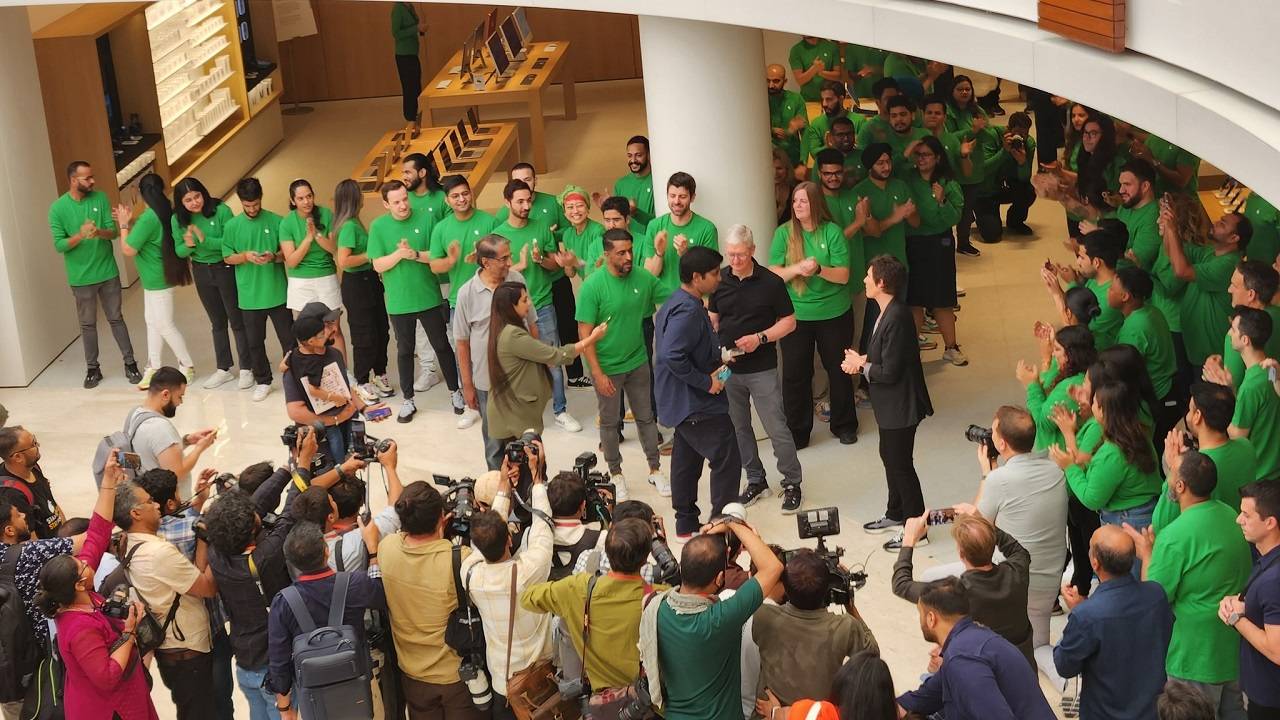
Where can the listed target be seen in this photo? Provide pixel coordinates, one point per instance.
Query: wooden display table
(526, 85)
(1212, 207)
(505, 142)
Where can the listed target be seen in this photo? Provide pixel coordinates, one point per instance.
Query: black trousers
(897, 452)
(965, 225)
(1262, 712)
(1081, 524)
(216, 286)
(1019, 195)
(189, 685)
(409, 68)
(224, 685)
(255, 332)
(567, 325)
(365, 300)
(432, 322)
(710, 437)
(831, 338)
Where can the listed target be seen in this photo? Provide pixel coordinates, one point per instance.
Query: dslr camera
(982, 436)
(516, 448)
(666, 569)
(117, 604)
(460, 501)
(601, 491)
(821, 523)
(366, 447)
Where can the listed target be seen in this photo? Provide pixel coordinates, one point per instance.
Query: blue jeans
(339, 437)
(1138, 518)
(262, 702)
(549, 334)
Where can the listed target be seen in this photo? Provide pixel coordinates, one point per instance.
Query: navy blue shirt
(1259, 677)
(686, 352)
(1117, 641)
(983, 677)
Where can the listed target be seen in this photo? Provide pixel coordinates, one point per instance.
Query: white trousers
(157, 310)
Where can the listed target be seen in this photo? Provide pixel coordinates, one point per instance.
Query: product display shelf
(174, 86)
(162, 12)
(208, 29)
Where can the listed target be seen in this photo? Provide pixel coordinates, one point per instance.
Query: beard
(169, 410)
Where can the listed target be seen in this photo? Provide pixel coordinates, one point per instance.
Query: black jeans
(1257, 711)
(702, 436)
(216, 286)
(831, 338)
(1019, 195)
(966, 217)
(189, 685)
(255, 332)
(897, 451)
(432, 322)
(224, 684)
(409, 68)
(1081, 524)
(566, 324)
(365, 300)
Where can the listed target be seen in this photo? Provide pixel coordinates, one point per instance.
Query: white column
(709, 116)
(37, 313)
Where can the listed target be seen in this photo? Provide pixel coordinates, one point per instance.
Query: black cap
(307, 327)
(320, 310)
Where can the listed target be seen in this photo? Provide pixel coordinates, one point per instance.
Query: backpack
(563, 569)
(120, 440)
(19, 650)
(330, 664)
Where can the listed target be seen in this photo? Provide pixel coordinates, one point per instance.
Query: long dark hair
(347, 201)
(942, 171)
(1121, 427)
(58, 578)
(1091, 167)
(1126, 364)
(503, 313)
(315, 215)
(177, 271)
(190, 185)
(863, 689)
(1077, 341)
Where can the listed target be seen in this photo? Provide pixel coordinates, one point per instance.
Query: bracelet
(286, 708)
(373, 555)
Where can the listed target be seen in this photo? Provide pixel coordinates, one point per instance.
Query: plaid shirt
(35, 553)
(181, 531)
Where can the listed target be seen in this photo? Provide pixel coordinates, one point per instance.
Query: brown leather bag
(533, 692)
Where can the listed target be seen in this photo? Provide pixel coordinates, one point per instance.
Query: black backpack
(330, 665)
(19, 650)
(563, 569)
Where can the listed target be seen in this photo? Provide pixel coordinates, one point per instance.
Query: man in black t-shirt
(752, 311)
(24, 485)
(316, 390)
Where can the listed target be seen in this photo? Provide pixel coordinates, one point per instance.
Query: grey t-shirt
(154, 436)
(471, 323)
(1027, 498)
(354, 555)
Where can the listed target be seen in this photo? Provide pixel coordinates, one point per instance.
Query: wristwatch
(764, 339)
(1233, 618)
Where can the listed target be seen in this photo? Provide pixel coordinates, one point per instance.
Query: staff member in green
(931, 244)
(198, 224)
(362, 294)
(1253, 284)
(425, 193)
(583, 238)
(637, 185)
(814, 137)
(787, 113)
(811, 256)
(397, 246)
(251, 244)
(149, 241)
(884, 232)
(308, 241)
(1207, 271)
(1257, 415)
(406, 28)
(80, 221)
(1200, 558)
(667, 237)
(814, 60)
(1073, 353)
(1145, 328)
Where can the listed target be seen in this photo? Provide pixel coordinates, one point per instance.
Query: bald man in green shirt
(788, 114)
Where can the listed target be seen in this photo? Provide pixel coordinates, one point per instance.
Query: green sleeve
(795, 59)
(949, 211)
(436, 248)
(837, 246)
(230, 238)
(643, 248)
(179, 245)
(224, 215)
(778, 248)
(1146, 242)
(1166, 566)
(1095, 485)
(1246, 413)
(292, 229)
(1036, 405)
(60, 233)
(375, 246)
(1024, 170)
(501, 216)
(1214, 273)
(147, 226)
(811, 143)
(347, 235)
(403, 24)
(587, 308)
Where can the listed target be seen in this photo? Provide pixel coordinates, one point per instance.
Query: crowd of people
(476, 599)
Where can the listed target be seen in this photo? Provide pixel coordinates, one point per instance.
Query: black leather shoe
(93, 377)
(132, 374)
(849, 438)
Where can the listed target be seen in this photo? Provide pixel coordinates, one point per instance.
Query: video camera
(601, 491)
(821, 523)
(982, 436)
(460, 501)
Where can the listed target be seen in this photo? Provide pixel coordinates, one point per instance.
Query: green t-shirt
(1258, 411)
(1089, 436)
(977, 158)
(818, 299)
(352, 235)
(999, 164)
(466, 233)
(1231, 358)
(587, 245)
(1111, 482)
(537, 278)
(1170, 155)
(639, 190)
(92, 260)
(1146, 330)
(1206, 304)
(1198, 560)
(707, 647)
(699, 231)
(853, 170)
(1265, 243)
(1148, 247)
(814, 137)
(961, 120)
(783, 108)
(208, 250)
(896, 66)
(903, 165)
(145, 237)
(404, 29)
(317, 262)
(801, 58)
(1236, 464)
(1106, 326)
(935, 217)
(410, 286)
(1041, 404)
(259, 287)
(843, 208)
(622, 302)
(857, 57)
(894, 240)
(432, 203)
(545, 212)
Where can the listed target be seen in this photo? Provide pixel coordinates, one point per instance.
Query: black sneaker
(969, 250)
(895, 544)
(754, 492)
(93, 377)
(881, 525)
(1019, 229)
(580, 382)
(132, 374)
(848, 438)
(790, 499)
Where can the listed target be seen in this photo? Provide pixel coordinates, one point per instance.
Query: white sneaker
(620, 493)
(427, 379)
(219, 378)
(260, 392)
(459, 403)
(368, 393)
(567, 423)
(468, 418)
(189, 371)
(407, 411)
(145, 382)
(246, 380)
(381, 384)
(955, 357)
(661, 483)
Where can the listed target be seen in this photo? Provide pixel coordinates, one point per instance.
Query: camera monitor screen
(512, 35)
(523, 23)
(499, 52)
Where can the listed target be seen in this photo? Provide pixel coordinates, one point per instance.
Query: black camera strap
(586, 634)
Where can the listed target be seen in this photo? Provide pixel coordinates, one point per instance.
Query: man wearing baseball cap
(316, 388)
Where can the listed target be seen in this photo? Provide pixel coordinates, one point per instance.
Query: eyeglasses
(831, 173)
(34, 444)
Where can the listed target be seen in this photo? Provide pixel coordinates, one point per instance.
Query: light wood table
(457, 94)
(504, 145)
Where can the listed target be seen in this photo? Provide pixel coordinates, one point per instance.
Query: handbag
(44, 695)
(533, 692)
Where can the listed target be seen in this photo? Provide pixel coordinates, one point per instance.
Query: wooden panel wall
(1099, 23)
(353, 54)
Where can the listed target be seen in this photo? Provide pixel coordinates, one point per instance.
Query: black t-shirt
(747, 307)
(329, 367)
(44, 517)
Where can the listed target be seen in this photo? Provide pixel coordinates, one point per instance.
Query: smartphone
(1271, 374)
(723, 374)
(942, 516)
(129, 460)
(1048, 265)
(377, 412)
